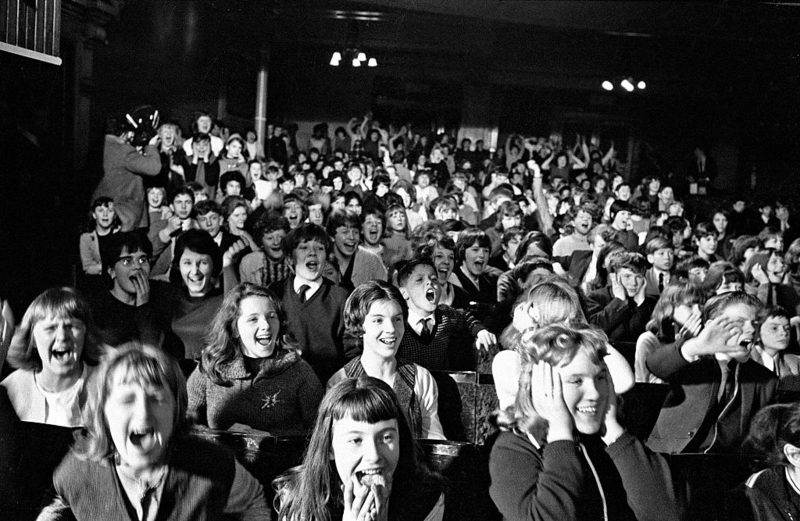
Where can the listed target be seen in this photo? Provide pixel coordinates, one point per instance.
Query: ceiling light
(372, 62)
(362, 57)
(335, 59)
(607, 85)
(356, 63)
(641, 85)
(627, 85)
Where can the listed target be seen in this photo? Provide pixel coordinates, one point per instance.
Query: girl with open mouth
(136, 455)
(54, 351)
(361, 462)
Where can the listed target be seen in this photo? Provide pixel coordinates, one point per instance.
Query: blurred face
(197, 272)
(512, 246)
(201, 148)
(126, 268)
(167, 133)
(233, 188)
(155, 198)
(396, 220)
(255, 171)
(354, 206)
(782, 213)
(621, 220)
(309, 260)
(475, 259)
(59, 344)
(776, 268)
(104, 216)
(234, 150)
(562, 162)
(624, 193)
(582, 222)
(346, 240)
(444, 261)
(445, 213)
(404, 195)
(257, 327)
(683, 312)
(200, 196)
(384, 326)
(509, 221)
(423, 181)
(210, 222)
(729, 286)
(662, 259)
(354, 175)
(204, 124)
(293, 211)
(338, 204)
(775, 333)
(739, 206)
(586, 389)
(364, 449)
(182, 205)
(720, 222)
(140, 420)
(422, 290)
(654, 186)
(666, 194)
(237, 218)
(697, 275)
(744, 318)
(775, 242)
(707, 244)
(271, 243)
(372, 229)
(630, 280)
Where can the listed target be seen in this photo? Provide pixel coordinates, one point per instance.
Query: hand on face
(548, 400)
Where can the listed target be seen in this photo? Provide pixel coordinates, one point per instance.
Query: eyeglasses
(129, 260)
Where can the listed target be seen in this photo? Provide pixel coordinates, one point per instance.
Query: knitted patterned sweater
(281, 399)
(450, 347)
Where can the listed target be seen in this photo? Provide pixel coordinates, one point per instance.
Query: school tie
(301, 292)
(727, 386)
(660, 282)
(426, 334)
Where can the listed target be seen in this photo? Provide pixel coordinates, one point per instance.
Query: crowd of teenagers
(309, 289)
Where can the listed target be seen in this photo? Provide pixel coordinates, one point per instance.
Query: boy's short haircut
(443, 202)
(629, 260)
(358, 304)
(768, 233)
(268, 223)
(605, 231)
(101, 201)
(740, 245)
(618, 206)
(589, 208)
(453, 225)
(695, 261)
(195, 187)
(233, 175)
(342, 218)
(199, 137)
(768, 312)
(125, 241)
(719, 273)
(304, 233)
(467, 238)
(381, 179)
(657, 243)
(704, 229)
(160, 188)
(675, 224)
(182, 190)
(374, 211)
(505, 191)
(207, 206)
(285, 179)
(563, 221)
(514, 231)
(425, 243)
(642, 208)
(405, 269)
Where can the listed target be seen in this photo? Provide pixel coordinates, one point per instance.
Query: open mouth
(312, 265)
(264, 340)
(388, 341)
(61, 354)
(144, 438)
(371, 477)
(430, 295)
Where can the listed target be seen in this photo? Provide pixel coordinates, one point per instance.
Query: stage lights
(627, 84)
(354, 57)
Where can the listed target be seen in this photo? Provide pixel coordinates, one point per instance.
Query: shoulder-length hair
(467, 238)
(200, 242)
(554, 301)
(389, 211)
(556, 344)
(357, 306)
(674, 295)
(312, 490)
(137, 364)
(222, 341)
(54, 302)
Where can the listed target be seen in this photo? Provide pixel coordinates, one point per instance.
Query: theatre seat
(470, 402)
(640, 407)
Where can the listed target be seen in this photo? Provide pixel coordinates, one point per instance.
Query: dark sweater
(318, 325)
(622, 320)
(556, 482)
(120, 323)
(450, 347)
(281, 399)
(197, 487)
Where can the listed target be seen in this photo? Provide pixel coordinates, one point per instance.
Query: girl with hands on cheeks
(562, 453)
(361, 464)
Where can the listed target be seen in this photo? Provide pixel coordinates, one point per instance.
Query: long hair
(313, 490)
(222, 341)
(142, 365)
(556, 344)
(54, 302)
(674, 295)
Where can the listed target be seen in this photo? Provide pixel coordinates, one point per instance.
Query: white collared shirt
(414, 321)
(313, 286)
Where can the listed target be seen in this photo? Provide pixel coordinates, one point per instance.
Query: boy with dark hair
(620, 214)
(509, 242)
(209, 218)
(267, 265)
(623, 309)
(314, 305)
(436, 335)
(661, 256)
(203, 167)
(581, 267)
(355, 265)
(693, 270)
(182, 205)
(705, 237)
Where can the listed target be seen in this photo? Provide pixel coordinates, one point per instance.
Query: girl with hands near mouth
(361, 463)
(562, 453)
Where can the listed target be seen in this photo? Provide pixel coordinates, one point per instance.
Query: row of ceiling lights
(358, 59)
(625, 83)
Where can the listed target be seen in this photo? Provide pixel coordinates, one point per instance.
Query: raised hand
(548, 400)
(611, 427)
(142, 285)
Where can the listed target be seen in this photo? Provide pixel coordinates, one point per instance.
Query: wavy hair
(53, 302)
(142, 365)
(313, 490)
(358, 304)
(222, 341)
